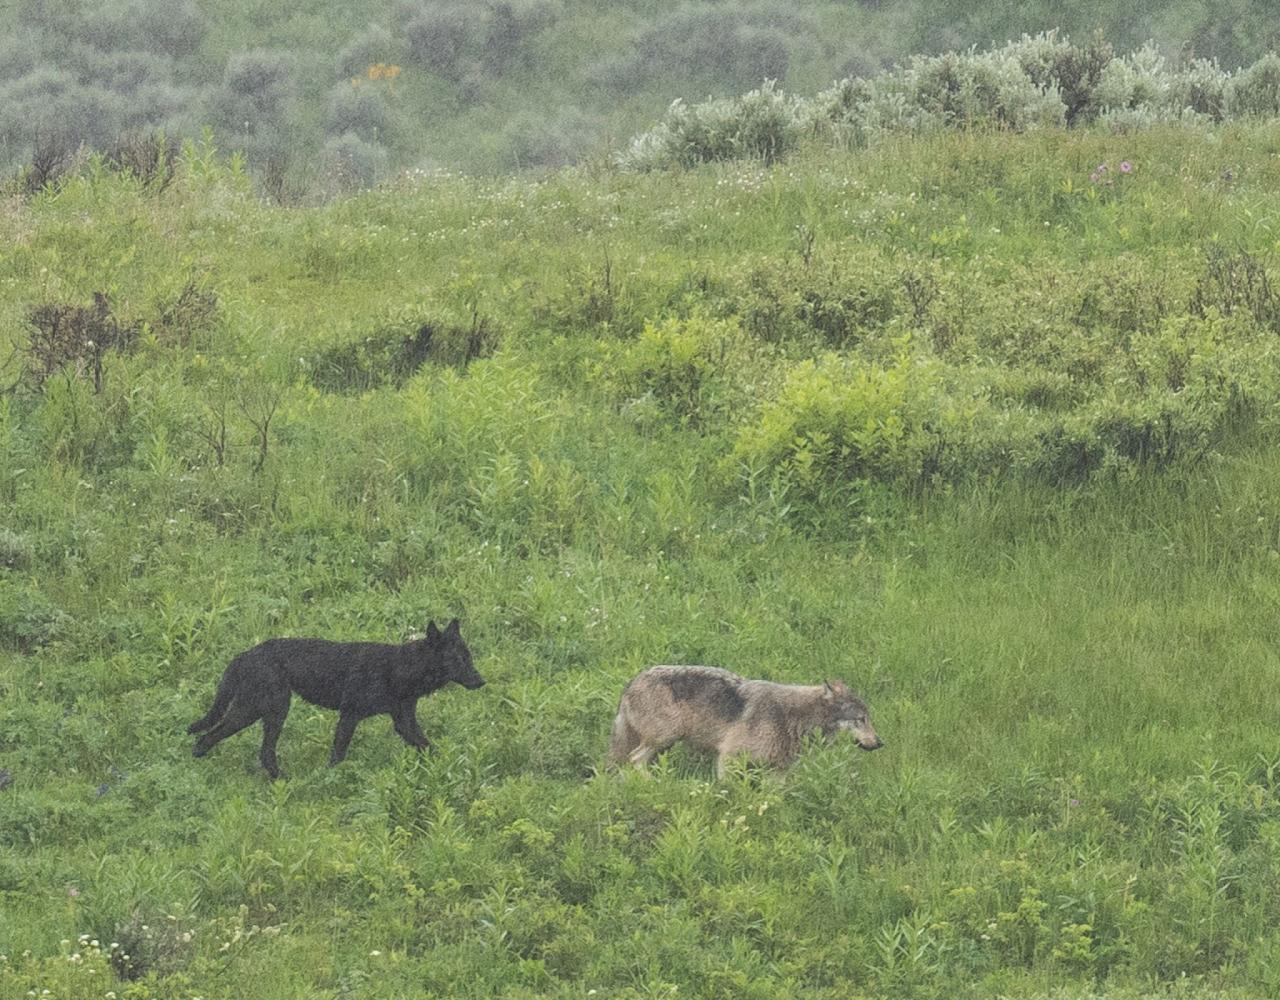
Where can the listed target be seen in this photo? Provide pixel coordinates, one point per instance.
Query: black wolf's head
(452, 655)
(849, 712)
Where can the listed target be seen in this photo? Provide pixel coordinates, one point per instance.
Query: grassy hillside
(967, 421)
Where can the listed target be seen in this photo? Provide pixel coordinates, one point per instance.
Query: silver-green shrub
(1254, 92)
(350, 163)
(1037, 81)
(764, 124)
(360, 110)
(374, 45)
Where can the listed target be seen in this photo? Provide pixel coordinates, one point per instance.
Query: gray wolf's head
(453, 654)
(849, 714)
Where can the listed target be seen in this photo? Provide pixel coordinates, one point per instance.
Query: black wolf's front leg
(405, 717)
(347, 723)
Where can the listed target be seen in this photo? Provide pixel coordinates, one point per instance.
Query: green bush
(693, 370)
(444, 38)
(28, 619)
(838, 425)
(359, 110)
(373, 46)
(1254, 92)
(763, 124)
(396, 348)
(835, 302)
(173, 29)
(350, 163)
(1053, 63)
(727, 46)
(16, 550)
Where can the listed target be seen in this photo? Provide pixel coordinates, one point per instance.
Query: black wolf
(359, 679)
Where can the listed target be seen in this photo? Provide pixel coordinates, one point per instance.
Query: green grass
(1071, 660)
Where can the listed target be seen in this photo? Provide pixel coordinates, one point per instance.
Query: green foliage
(693, 370)
(837, 302)
(726, 45)
(28, 619)
(349, 163)
(376, 45)
(533, 83)
(1036, 82)
(836, 426)
(172, 29)
(948, 418)
(762, 124)
(16, 550)
(358, 110)
(397, 348)
(441, 34)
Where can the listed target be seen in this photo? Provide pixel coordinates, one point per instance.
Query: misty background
(325, 96)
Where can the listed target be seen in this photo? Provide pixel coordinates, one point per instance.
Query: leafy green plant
(397, 348)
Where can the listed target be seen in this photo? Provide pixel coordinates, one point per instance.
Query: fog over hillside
(329, 96)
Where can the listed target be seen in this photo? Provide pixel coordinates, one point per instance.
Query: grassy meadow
(966, 421)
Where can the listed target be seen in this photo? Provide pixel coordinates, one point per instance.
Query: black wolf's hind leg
(405, 718)
(342, 737)
(240, 716)
(272, 723)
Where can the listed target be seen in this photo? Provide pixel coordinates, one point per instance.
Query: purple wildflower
(1125, 167)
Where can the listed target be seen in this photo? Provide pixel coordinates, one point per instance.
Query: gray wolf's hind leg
(624, 742)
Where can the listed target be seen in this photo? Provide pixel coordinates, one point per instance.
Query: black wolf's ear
(452, 630)
(433, 633)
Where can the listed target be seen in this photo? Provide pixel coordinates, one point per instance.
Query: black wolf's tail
(221, 700)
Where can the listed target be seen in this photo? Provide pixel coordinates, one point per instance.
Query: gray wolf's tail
(221, 701)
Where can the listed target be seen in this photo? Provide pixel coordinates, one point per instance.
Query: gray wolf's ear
(433, 633)
(451, 630)
(828, 692)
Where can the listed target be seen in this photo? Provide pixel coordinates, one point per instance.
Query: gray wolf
(358, 679)
(716, 710)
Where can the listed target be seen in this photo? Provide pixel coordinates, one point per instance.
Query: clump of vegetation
(764, 124)
(1036, 82)
(350, 163)
(729, 45)
(152, 158)
(64, 336)
(254, 109)
(29, 620)
(836, 302)
(16, 550)
(396, 348)
(694, 370)
(188, 314)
